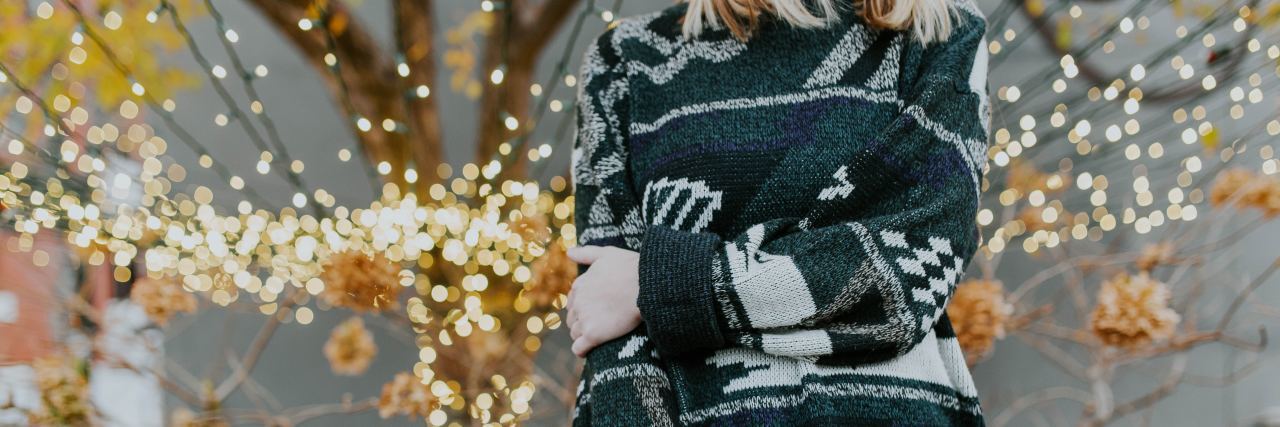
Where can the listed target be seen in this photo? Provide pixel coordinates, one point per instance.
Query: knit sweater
(803, 204)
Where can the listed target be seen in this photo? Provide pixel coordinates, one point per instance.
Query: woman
(775, 199)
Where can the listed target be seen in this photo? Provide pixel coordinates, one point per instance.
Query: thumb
(585, 254)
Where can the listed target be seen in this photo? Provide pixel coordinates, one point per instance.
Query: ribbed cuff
(677, 296)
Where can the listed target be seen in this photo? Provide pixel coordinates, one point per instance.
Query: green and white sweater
(803, 204)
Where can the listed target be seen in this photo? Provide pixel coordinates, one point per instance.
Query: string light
(470, 220)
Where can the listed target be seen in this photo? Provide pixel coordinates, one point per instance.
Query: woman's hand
(602, 301)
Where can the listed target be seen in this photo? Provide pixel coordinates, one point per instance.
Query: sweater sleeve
(866, 274)
(606, 208)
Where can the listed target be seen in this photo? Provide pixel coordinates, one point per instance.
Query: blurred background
(354, 212)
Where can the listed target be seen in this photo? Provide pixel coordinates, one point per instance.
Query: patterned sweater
(803, 204)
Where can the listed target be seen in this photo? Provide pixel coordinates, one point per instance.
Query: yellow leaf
(1205, 11)
(1063, 38)
(1271, 16)
(1035, 7)
(1210, 139)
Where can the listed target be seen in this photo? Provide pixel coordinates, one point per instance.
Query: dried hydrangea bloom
(1247, 189)
(553, 275)
(1268, 196)
(1154, 255)
(978, 313)
(350, 348)
(532, 229)
(1025, 178)
(1227, 184)
(406, 395)
(1132, 311)
(1255, 192)
(1033, 218)
(64, 392)
(361, 282)
(161, 299)
(492, 346)
(183, 417)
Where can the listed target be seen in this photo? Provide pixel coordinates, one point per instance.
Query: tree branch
(367, 89)
(538, 25)
(415, 40)
(259, 345)
(520, 33)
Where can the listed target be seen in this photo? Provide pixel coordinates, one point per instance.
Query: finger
(573, 286)
(574, 331)
(571, 318)
(580, 281)
(582, 346)
(585, 254)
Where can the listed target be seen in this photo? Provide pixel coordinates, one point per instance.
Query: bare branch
(256, 348)
(415, 41)
(537, 26)
(368, 86)
(1042, 396)
(1165, 389)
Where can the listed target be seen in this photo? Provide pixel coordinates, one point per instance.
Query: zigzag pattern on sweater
(802, 217)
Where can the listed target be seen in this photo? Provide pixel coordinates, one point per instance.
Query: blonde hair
(928, 20)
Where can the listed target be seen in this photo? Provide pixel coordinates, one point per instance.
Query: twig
(1041, 396)
(1230, 314)
(259, 344)
(1055, 354)
(1165, 389)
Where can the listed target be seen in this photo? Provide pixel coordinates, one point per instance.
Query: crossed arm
(863, 277)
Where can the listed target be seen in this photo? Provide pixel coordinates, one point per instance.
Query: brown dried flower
(360, 282)
(406, 395)
(1268, 197)
(1032, 218)
(1248, 190)
(64, 392)
(532, 229)
(1154, 255)
(183, 417)
(1132, 311)
(1026, 178)
(350, 348)
(1228, 184)
(161, 299)
(978, 312)
(553, 275)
